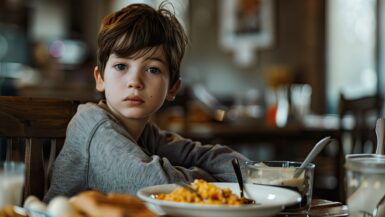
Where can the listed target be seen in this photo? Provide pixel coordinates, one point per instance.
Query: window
(351, 49)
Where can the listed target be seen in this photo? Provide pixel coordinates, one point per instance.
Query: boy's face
(135, 88)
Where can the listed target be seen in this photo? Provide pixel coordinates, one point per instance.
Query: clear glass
(365, 182)
(12, 176)
(281, 174)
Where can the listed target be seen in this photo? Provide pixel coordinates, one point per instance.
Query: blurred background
(267, 77)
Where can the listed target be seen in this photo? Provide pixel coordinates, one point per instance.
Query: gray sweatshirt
(99, 153)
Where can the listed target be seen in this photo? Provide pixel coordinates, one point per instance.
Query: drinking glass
(365, 182)
(11, 182)
(281, 174)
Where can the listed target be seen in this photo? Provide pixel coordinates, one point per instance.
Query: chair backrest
(33, 131)
(357, 132)
(364, 111)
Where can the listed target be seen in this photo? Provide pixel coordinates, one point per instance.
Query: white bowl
(270, 201)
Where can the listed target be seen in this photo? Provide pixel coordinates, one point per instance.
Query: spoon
(238, 173)
(380, 129)
(313, 153)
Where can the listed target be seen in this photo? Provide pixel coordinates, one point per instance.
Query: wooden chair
(34, 130)
(364, 112)
(360, 136)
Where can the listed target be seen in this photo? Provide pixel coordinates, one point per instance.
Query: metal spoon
(238, 173)
(313, 153)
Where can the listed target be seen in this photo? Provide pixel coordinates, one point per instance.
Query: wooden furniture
(364, 112)
(358, 118)
(34, 130)
(321, 207)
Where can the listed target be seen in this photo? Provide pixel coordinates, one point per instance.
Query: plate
(271, 200)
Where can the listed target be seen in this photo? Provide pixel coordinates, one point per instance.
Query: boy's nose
(134, 78)
(135, 81)
(135, 84)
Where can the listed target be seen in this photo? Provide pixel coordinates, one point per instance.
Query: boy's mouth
(134, 100)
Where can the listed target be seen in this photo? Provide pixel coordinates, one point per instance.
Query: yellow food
(210, 194)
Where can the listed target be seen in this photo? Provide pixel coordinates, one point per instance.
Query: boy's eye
(120, 67)
(153, 70)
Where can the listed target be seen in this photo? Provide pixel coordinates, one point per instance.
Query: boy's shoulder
(91, 109)
(92, 112)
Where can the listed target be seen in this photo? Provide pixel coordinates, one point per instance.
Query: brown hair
(138, 28)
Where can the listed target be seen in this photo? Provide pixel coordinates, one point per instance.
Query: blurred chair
(34, 129)
(358, 118)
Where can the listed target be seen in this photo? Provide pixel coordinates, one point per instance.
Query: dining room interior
(268, 78)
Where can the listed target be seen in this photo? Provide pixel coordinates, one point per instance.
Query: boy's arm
(214, 159)
(117, 163)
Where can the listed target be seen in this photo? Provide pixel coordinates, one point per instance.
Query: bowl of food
(220, 199)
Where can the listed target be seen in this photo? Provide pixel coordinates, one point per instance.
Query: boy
(111, 146)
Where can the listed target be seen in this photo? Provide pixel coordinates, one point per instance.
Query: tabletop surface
(320, 207)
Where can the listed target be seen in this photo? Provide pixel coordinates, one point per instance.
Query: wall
(298, 45)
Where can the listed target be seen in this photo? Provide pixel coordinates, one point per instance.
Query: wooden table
(320, 207)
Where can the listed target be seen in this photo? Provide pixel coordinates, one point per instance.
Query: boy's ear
(98, 79)
(173, 90)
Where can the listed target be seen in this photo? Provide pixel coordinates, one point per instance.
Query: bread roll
(97, 204)
(61, 207)
(8, 211)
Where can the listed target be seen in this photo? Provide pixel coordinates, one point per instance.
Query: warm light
(219, 114)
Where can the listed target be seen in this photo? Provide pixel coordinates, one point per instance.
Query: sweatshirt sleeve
(214, 159)
(117, 163)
